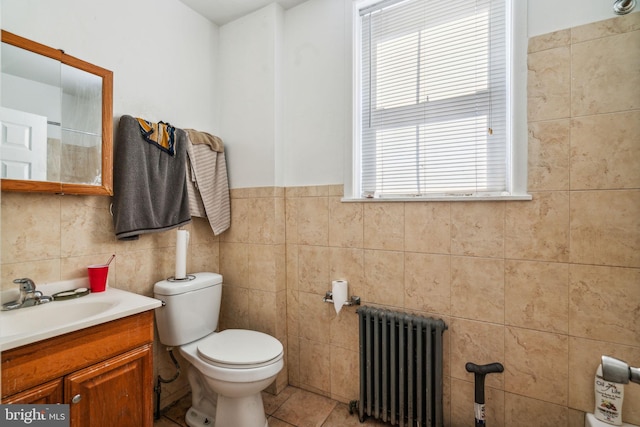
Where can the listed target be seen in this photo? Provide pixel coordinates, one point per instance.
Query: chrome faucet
(28, 295)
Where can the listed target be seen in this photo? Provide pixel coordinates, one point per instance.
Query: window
(434, 101)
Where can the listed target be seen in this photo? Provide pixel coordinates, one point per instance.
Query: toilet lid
(239, 347)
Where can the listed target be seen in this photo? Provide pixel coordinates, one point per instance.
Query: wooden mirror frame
(106, 188)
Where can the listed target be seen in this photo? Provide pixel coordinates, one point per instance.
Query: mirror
(57, 121)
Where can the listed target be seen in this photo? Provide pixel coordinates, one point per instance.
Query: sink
(55, 314)
(30, 324)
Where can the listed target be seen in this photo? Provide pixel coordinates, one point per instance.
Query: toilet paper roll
(182, 240)
(339, 291)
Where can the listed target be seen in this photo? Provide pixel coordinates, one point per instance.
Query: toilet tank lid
(176, 287)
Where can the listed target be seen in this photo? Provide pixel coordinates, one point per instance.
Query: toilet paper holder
(353, 300)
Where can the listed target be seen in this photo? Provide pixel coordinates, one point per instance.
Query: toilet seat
(239, 349)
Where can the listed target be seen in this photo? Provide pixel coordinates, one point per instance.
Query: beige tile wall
(253, 264)
(545, 287)
(50, 238)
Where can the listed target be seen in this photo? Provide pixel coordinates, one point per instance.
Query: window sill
(441, 198)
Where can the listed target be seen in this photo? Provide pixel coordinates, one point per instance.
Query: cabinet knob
(77, 398)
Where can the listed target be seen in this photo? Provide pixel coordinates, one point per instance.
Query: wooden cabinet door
(46, 394)
(116, 392)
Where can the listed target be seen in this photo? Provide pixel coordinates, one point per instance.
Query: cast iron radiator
(400, 368)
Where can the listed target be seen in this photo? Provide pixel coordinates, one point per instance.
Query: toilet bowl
(237, 365)
(228, 369)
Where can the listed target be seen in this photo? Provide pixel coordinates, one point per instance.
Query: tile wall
(544, 287)
(49, 238)
(252, 262)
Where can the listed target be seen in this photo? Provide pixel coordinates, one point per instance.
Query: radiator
(400, 368)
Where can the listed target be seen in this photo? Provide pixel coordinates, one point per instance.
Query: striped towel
(161, 134)
(214, 142)
(207, 183)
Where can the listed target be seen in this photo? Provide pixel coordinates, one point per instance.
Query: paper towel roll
(182, 240)
(340, 292)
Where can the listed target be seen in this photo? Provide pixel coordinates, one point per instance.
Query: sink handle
(26, 284)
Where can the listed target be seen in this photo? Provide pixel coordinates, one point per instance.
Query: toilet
(227, 370)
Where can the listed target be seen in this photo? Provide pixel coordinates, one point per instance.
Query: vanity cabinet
(46, 394)
(104, 373)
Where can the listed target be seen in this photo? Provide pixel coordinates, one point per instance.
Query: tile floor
(293, 407)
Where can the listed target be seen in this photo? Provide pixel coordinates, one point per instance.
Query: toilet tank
(190, 308)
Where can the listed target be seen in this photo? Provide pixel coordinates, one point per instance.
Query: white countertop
(31, 324)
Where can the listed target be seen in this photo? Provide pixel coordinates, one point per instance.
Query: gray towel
(149, 185)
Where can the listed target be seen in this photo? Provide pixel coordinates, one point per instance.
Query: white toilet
(229, 369)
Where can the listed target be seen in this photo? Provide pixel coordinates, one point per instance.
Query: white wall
(277, 88)
(546, 16)
(162, 54)
(283, 114)
(250, 97)
(317, 106)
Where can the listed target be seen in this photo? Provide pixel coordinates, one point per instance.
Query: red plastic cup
(98, 277)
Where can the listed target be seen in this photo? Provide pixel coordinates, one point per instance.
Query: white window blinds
(433, 98)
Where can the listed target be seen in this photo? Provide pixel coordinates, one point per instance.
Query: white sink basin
(30, 324)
